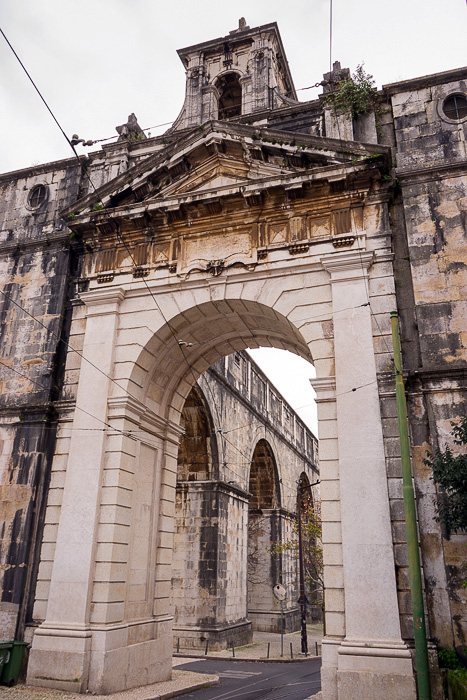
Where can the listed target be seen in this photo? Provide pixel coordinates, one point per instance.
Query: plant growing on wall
(356, 95)
(312, 552)
(450, 472)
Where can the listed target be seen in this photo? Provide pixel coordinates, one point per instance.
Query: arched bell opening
(230, 96)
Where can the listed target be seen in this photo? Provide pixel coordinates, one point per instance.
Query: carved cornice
(129, 408)
(54, 239)
(348, 260)
(409, 176)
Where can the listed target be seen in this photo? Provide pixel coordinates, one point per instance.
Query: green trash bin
(12, 665)
(5, 652)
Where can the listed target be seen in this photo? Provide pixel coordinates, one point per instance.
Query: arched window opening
(230, 96)
(195, 459)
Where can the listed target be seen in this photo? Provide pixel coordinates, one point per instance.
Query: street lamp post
(304, 637)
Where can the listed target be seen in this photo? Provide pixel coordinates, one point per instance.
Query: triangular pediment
(220, 158)
(219, 170)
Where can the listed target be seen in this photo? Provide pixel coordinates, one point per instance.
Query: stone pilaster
(371, 660)
(66, 627)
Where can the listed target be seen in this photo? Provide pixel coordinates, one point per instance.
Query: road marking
(238, 674)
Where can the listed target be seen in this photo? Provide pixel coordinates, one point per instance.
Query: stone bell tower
(242, 73)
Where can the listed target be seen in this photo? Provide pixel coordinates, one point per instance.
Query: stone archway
(198, 613)
(264, 530)
(108, 590)
(197, 454)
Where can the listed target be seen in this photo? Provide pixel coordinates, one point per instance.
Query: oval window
(37, 196)
(455, 107)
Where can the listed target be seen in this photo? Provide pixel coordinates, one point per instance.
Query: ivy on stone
(450, 472)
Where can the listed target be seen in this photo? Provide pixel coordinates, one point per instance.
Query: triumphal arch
(254, 221)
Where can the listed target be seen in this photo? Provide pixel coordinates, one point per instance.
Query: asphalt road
(257, 681)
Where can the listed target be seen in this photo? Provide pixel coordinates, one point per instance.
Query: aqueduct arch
(227, 509)
(198, 453)
(264, 529)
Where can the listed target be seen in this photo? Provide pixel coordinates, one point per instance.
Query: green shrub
(357, 94)
(448, 658)
(458, 682)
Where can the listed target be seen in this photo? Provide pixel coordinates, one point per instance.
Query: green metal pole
(421, 649)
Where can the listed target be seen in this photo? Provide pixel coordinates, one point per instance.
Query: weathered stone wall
(36, 261)
(208, 584)
(431, 278)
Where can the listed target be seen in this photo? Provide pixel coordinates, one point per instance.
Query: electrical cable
(109, 138)
(96, 192)
(62, 340)
(41, 386)
(40, 94)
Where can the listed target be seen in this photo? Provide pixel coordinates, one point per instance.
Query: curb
(188, 689)
(254, 661)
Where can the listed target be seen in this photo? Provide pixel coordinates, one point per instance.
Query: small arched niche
(230, 96)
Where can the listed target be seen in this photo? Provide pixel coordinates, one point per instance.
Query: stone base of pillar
(101, 661)
(270, 620)
(218, 637)
(366, 671)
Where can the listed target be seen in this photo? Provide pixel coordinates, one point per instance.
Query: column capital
(325, 388)
(127, 407)
(102, 301)
(348, 265)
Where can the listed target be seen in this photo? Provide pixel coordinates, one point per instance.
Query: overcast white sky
(97, 61)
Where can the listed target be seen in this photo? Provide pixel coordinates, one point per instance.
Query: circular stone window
(455, 107)
(37, 196)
